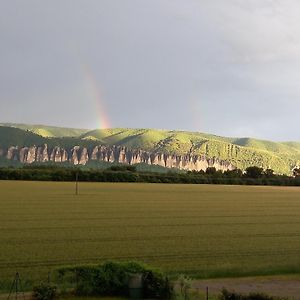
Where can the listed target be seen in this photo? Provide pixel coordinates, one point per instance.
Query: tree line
(125, 173)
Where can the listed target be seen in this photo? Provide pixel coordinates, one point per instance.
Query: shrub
(123, 168)
(185, 284)
(44, 292)
(112, 278)
(227, 295)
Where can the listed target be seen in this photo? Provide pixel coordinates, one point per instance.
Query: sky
(227, 67)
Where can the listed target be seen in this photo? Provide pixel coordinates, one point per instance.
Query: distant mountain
(282, 157)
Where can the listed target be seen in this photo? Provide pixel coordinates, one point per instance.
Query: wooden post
(76, 187)
(207, 293)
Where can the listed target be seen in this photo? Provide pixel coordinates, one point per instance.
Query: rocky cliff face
(81, 156)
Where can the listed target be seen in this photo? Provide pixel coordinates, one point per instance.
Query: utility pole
(76, 186)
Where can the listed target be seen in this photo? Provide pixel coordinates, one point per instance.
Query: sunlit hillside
(242, 152)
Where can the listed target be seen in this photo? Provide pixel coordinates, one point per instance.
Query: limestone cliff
(82, 155)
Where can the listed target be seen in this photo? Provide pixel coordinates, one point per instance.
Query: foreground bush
(44, 292)
(112, 279)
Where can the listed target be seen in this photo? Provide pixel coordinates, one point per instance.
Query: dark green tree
(211, 171)
(269, 173)
(296, 172)
(254, 172)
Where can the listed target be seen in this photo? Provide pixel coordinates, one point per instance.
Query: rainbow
(95, 94)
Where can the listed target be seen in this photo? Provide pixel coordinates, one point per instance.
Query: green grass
(204, 231)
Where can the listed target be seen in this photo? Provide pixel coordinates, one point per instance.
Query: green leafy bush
(185, 284)
(44, 292)
(112, 279)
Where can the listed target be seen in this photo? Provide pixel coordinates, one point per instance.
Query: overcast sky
(228, 67)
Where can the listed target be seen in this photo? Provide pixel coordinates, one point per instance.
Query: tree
(269, 173)
(211, 171)
(236, 173)
(296, 172)
(254, 172)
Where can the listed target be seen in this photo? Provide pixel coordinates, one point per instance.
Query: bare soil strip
(279, 286)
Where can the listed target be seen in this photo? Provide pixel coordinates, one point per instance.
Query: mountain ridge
(34, 126)
(241, 152)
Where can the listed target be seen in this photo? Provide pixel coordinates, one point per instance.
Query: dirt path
(21, 296)
(280, 286)
(274, 285)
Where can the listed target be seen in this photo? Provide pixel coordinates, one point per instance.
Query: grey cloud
(226, 67)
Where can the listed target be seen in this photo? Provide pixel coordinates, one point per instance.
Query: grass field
(204, 230)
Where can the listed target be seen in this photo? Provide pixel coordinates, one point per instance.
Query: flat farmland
(203, 230)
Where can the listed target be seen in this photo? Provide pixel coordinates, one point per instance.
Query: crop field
(203, 230)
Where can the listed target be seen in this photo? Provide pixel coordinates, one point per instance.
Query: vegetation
(128, 173)
(185, 284)
(227, 295)
(242, 152)
(44, 292)
(48, 131)
(198, 230)
(113, 279)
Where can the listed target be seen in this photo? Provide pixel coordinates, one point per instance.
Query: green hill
(242, 152)
(48, 131)
(10, 136)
